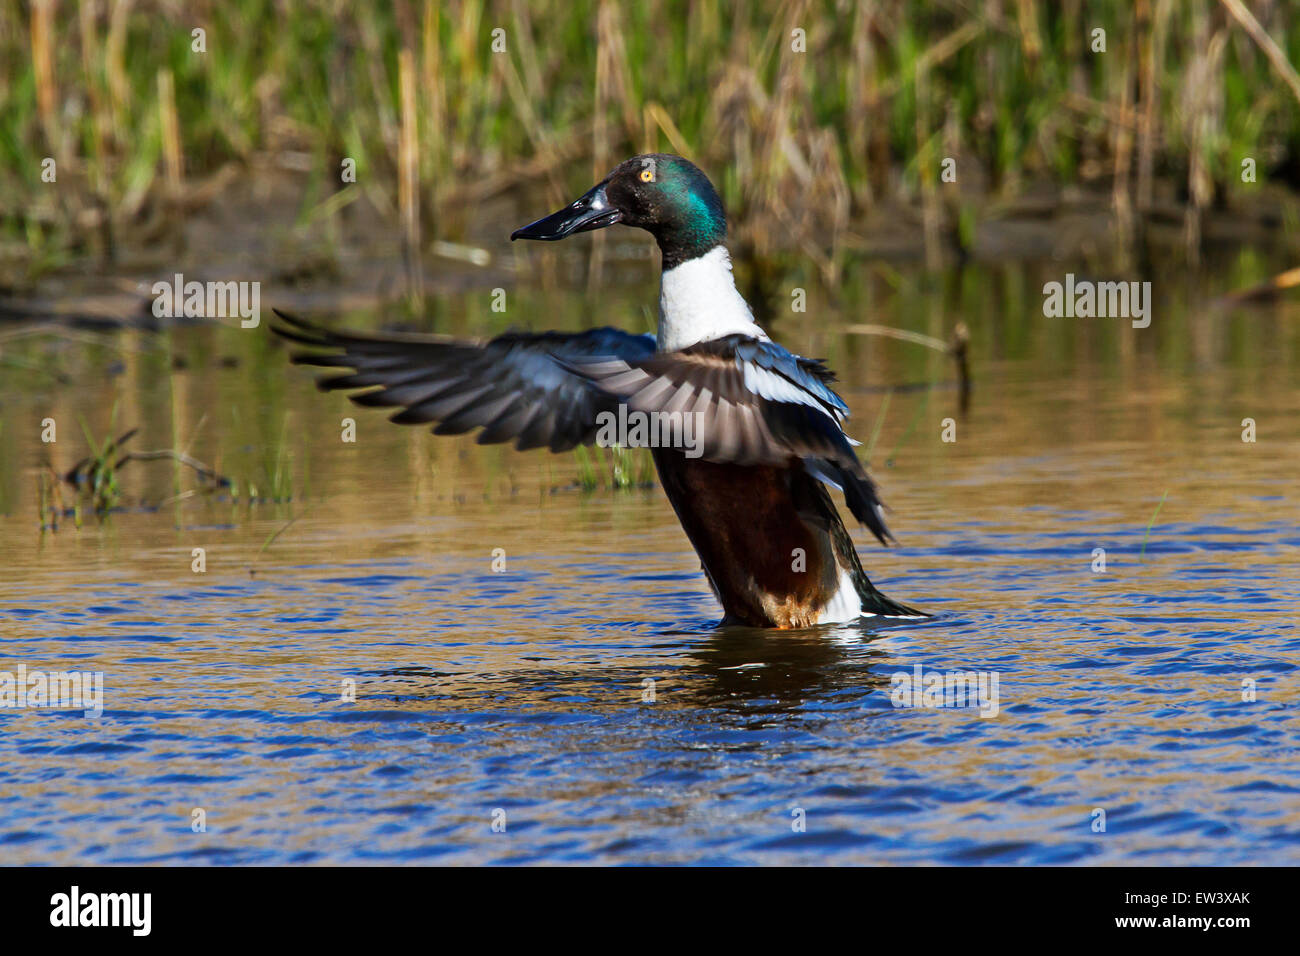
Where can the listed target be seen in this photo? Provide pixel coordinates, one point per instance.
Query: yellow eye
(647, 175)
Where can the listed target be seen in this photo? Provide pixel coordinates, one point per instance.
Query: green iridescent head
(665, 195)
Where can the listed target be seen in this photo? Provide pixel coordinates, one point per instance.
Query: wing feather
(516, 387)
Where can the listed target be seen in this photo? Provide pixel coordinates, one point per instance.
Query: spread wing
(755, 403)
(517, 386)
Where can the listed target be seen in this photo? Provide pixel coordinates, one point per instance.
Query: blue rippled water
(348, 680)
(478, 702)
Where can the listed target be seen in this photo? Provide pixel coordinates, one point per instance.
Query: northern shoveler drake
(751, 494)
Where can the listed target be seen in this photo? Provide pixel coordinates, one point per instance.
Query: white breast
(698, 301)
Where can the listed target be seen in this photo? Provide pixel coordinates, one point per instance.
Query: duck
(751, 489)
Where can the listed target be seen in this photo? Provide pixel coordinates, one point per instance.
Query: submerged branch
(203, 471)
(93, 468)
(957, 347)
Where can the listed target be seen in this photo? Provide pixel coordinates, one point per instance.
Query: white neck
(698, 302)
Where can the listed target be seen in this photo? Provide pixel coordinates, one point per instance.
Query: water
(484, 696)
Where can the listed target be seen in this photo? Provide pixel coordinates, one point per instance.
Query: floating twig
(271, 539)
(1262, 291)
(880, 421)
(1152, 522)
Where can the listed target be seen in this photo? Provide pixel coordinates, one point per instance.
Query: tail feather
(873, 602)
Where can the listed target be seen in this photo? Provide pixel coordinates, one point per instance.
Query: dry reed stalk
(1203, 90)
(173, 158)
(566, 151)
(1072, 23)
(99, 120)
(86, 16)
(1115, 115)
(828, 172)
(1271, 50)
(533, 126)
(935, 55)
(1262, 291)
(1147, 103)
(119, 88)
(467, 41)
(622, 76)
(529, 65)
(434, 92)
(408, 178)
(703, 24)
(379, 85)
(930, 208)
(777, 154)
(42, 29)
(657, 117)
(860, 94)
(1029, 38)
(600, 130)
(1121, 191)
(1149, 134)
(470, 99)
(613, 85)
(984, 123)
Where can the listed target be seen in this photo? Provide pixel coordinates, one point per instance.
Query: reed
(408, 192)
(619, 468)
(96, 477)
(587, 480)
(169, 122)
(42, 68)
(800, 140)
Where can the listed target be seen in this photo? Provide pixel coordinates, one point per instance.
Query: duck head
(665, 195)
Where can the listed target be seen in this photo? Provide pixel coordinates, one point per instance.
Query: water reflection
(786, 671)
